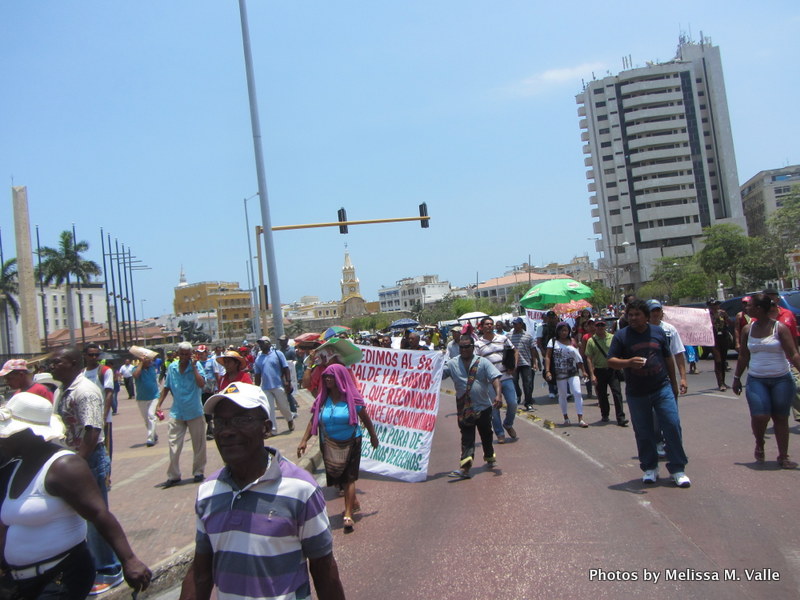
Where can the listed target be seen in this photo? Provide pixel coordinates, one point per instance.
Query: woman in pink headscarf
(334, 416)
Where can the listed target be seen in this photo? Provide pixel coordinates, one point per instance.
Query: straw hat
(29, 411)
(232, 354)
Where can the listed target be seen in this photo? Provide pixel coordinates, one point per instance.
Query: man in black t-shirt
(643, 351)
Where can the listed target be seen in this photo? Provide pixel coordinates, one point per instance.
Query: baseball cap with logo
(245, 395)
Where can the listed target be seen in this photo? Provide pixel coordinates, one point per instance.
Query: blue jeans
(526, 373)
(510, 396)
(770, 395)
(105, 560)
(641, 409)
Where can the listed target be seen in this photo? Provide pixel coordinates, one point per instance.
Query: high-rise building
(764, 193)
(661, 161)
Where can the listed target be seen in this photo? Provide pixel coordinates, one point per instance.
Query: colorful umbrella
(572, 306)
(403, 323)
(347, 350)
(333, 332)
(555, 291)
(307, 337)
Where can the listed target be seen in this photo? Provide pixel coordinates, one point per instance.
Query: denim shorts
(770, 395)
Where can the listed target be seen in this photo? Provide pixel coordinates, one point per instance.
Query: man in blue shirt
(643, 351)
(486, 380)
(146, 378)
(185, 379)
(271, 372)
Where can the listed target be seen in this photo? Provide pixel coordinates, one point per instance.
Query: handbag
(467, 416)
(509, 359)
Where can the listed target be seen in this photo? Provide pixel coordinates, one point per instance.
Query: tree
(603, 295)
(63, 264)
(9, 288)
(785, 222)
(726, 248)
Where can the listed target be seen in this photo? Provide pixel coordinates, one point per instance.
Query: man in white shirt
(126, 371)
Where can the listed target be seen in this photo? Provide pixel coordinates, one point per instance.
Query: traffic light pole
(340, 223)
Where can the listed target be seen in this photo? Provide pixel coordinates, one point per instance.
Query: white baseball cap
(245, 395)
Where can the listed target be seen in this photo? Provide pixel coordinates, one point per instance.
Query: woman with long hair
(334, 417)
(766, 347)
(562, 364)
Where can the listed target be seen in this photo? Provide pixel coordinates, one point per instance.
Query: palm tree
(60, 265)
(9, 287)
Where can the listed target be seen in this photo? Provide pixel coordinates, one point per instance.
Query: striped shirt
(493, 350)
(261, 535)
(523, 342)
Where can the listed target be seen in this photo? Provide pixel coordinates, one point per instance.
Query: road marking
(146, 471)
(726, 396)
(569, 444)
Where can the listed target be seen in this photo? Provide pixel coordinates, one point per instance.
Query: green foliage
(677, 279)
(9, 287)
(784, 224)
(766, 260)
(61, 264)
(374, 322)
(726, 248)
(603, 295)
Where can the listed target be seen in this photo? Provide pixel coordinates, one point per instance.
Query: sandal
(348, 523)
(758, 454)
(785, 463)
(459, 474)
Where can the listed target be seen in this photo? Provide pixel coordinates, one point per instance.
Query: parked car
(789, 299)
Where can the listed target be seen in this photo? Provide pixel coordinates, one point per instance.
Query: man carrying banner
(472, 375)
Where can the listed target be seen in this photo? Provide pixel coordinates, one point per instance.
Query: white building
(764, 193)
(661, 160)
(410, 291)
(53, 316)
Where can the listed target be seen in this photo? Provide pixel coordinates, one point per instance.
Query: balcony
(588, 162)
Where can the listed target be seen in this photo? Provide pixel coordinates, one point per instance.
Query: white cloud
(540, 83)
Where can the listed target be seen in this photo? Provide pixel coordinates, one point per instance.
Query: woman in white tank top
(49, 493)
(766, 348)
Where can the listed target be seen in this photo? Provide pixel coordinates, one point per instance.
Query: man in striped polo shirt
(261, 520)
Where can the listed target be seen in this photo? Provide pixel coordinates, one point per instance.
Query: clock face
(352, 289)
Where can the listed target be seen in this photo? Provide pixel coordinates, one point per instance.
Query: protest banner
(693, 325)
(401, 391)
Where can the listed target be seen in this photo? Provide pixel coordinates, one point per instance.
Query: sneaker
(681, 479)
(583, 423)
(567, 422)
(104, 583)
(491, 461)
(551, 396)
(150, 444)
(661, 450)
(650, 476)
(530, 408)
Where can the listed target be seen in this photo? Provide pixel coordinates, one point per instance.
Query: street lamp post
(255, 312)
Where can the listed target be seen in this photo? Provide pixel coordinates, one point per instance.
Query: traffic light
(342, 219)
(423, 212)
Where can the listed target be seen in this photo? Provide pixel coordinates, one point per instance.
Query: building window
(611, 184)
(600, 104)
(598, 90)
(602, 118)
(604, 130)
(605, 145)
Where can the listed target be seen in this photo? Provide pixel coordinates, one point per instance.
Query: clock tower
(352, 302)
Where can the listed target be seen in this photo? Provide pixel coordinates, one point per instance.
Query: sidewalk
(160, 523)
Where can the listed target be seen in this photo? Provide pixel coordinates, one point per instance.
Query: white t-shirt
(673, 337)
(565, 359)
(108, 383)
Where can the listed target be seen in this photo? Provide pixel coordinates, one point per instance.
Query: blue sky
(133, 116)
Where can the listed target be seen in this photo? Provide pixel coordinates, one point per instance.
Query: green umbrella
(555, 291)
(347, 350)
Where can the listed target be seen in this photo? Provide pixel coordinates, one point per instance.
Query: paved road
(567, 503)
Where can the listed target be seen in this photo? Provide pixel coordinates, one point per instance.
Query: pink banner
(693, 325)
